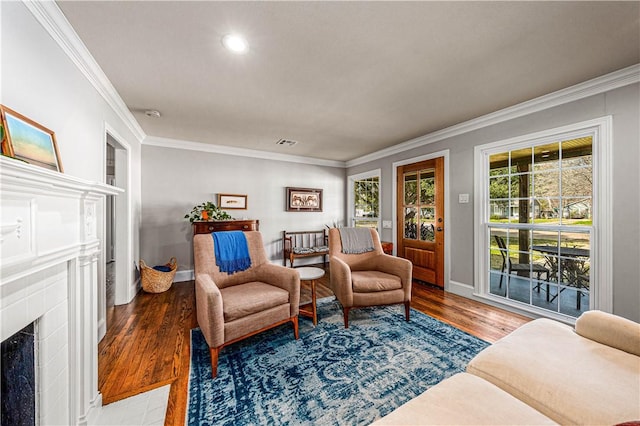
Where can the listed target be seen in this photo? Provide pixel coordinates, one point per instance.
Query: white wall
(623, 104)
(40, 81)
(175, 180)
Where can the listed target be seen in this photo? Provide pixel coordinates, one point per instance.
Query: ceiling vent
(286, 142)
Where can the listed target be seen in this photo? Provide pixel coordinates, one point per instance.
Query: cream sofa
(544, 372)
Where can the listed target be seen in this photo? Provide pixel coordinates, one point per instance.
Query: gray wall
(624, 105)
(175, 180)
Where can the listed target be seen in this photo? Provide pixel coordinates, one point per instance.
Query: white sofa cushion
(570, 379)
(464, 399)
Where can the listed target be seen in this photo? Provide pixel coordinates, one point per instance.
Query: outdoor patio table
(564, 251)
(574, 269)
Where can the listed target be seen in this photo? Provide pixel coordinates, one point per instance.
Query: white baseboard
(95, 407)
(468, 291)
(134, 288)
(461, 289)
(184, 275)
(102, 328)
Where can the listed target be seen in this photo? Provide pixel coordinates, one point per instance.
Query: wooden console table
(207, 227)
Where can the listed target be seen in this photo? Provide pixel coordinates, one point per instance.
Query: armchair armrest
(285, 278)
(395, 266)
(399, 267)
(209, 310)
(610, 330)
(341, 281)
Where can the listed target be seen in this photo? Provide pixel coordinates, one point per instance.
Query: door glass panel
(546, 184)
(411, 189)
(498, 187)
(577, 152)
(427, 224)
(499, 211)
(577, 182)
(576, 211)
(499, 164)
(411, 223)
(521, 159)
(427, 187)
(547, 210)
(545, 157)
(521, 185)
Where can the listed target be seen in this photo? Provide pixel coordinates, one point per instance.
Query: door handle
(439, 229)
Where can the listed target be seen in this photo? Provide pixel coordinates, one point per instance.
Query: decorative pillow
(302, 250)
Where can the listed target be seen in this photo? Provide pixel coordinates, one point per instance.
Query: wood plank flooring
(147, 341)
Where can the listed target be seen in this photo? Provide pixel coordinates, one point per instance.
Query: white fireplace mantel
(51, 227)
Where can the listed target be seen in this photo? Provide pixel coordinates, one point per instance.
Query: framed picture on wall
(29, 141)
(232, 201)
(304, 199)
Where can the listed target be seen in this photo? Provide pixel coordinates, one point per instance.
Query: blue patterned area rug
(331, 375)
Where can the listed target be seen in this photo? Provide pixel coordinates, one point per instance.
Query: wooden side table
(311, 274)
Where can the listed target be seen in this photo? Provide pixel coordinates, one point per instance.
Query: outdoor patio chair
(520, 267)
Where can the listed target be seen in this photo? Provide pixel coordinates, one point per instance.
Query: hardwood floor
(147, 343)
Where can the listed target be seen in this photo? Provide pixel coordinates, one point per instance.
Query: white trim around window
(602, 245)
(351, 199)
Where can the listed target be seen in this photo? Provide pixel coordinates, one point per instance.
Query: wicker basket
(154, 281)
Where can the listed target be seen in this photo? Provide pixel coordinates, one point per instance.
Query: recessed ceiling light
(235, 43)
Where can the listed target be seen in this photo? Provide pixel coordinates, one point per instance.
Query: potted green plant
(207, 211)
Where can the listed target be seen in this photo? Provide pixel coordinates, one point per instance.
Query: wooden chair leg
(407, 309)
(214, 361)
(346, 317)
(294, 320)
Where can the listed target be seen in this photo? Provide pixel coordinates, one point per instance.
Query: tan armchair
(233, 307)
(368, 279)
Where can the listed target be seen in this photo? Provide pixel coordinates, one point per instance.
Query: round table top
(310, 273)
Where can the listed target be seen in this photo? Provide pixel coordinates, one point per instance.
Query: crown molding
(49, 15)
(56, 24)
(241, 152)
(605, 83)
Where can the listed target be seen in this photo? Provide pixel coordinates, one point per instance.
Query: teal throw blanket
(232, 251)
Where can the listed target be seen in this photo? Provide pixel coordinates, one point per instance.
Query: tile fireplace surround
(51, 227)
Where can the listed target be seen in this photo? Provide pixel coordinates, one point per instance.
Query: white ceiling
(344, 79)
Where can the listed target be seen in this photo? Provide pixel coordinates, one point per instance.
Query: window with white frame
(364, 199)
(539, 215)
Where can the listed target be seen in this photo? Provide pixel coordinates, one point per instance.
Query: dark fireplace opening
(18, 391)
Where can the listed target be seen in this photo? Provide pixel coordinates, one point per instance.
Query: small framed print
(304, 199)
(232, 201)
(26, 140)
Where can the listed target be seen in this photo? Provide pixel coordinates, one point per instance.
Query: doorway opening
(109, 239)
(115, 288)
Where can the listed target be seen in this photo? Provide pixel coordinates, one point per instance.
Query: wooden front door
(420, 218)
